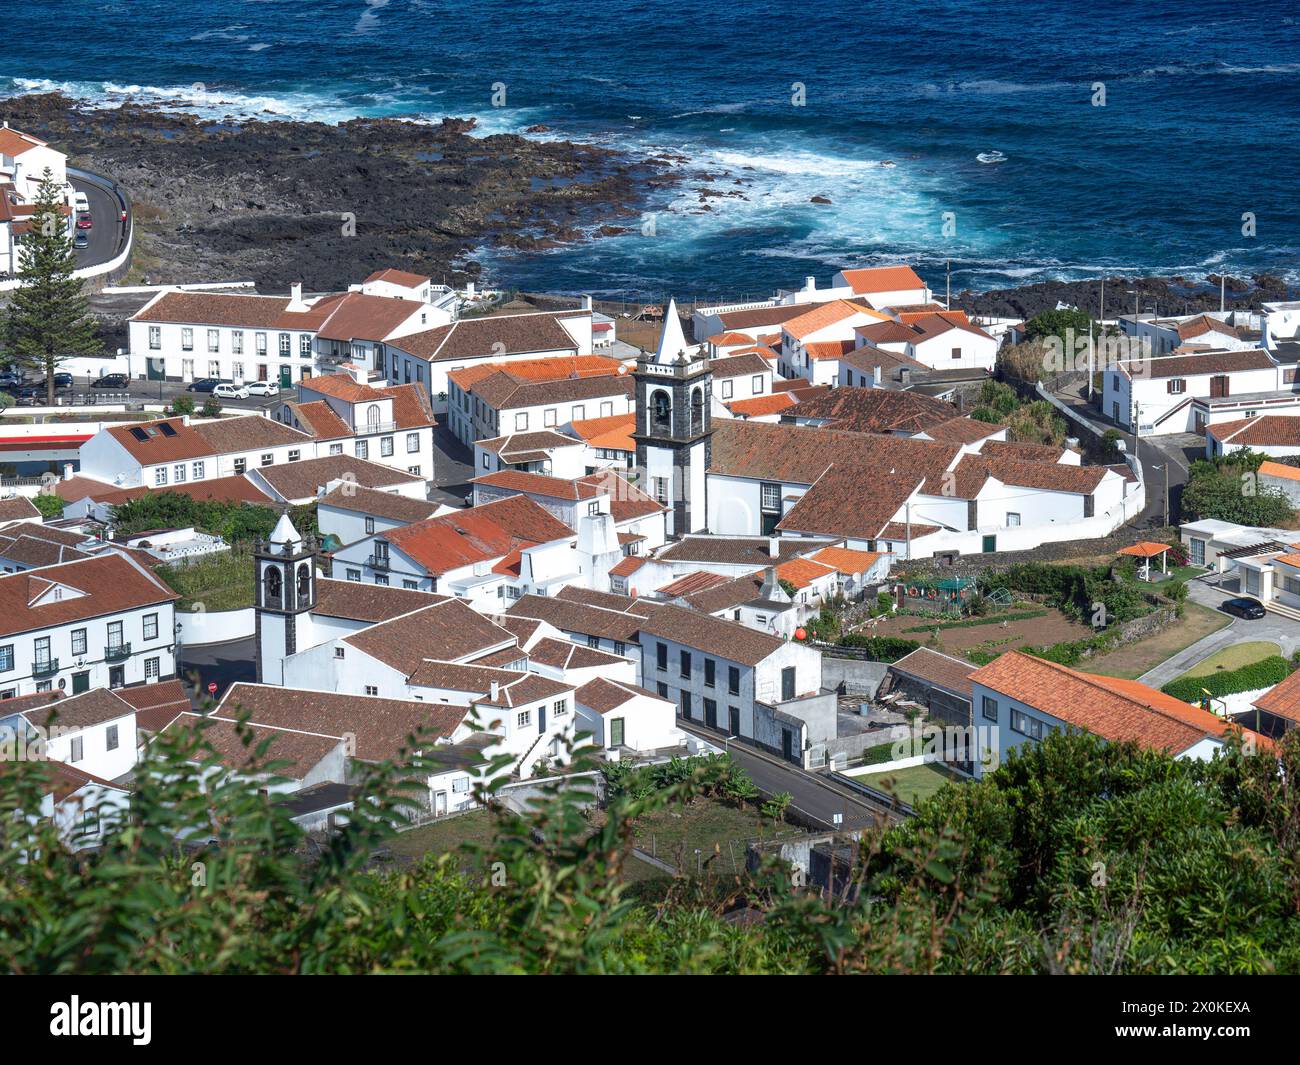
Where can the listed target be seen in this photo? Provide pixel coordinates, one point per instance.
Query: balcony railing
(369, 428)
(45, 667)
(378, 562)
(117, 652)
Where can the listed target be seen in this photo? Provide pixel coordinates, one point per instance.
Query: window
(268, 459)
(685, 664)
(659, 489)
(370, 525)
(412, 443)
(1012, 518)
(607, 409)
(710, 669)
(178, 473)
(151, 626)
(1026, 725)
(304, 345)
(989, 708)
(354, 575)
(662, 688)
(686, 704)
(285, 346)
(733, 680)
(548, 416)
(110, 736)
(661, 656)
(198, 471)
(523, 719)
(240, 466)
(336, 449)
(214, 340)
(155, 337)
(727, 389)
(521, 422)
(593, 642)
(381, 579)
(372, 689)
(78, 641)
(620, 647)
(593, 508)
(579, 412)
(77, 751)
(1176, 385)
(187, 339)
(1196, 552)
(115, 634)
(338, 652)
(956, 353)
(237, 342)
(294, 455)
(787, 683)
(411, 585)
(560, 707)
(413, 470)
(386, 446)
(259, 340)
(770, 498)
(363, 449)
(756, 383)
(160, 475)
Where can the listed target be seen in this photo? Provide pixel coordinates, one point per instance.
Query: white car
(262, 388)
(224, 391)
(80, 202)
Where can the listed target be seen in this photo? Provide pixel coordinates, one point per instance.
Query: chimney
(67, 471)
(295, 292)
(773, 547)
(185, 419)
(904, 374)
(494, 690)
(586, 303)
(469, 289)
(875, 374)
(810, 284)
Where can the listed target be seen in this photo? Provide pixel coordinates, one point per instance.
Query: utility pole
(947, 301)
(1222, 307)
(1090, 361)
(907, 508)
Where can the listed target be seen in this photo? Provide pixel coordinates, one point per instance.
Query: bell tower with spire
(674, 427)
(284, 597)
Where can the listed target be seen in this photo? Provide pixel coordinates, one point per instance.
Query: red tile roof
(479, 534)
(882, 279)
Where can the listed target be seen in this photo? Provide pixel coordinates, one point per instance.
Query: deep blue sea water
(1201, 123)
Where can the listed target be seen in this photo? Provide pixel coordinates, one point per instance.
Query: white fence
(215, 626)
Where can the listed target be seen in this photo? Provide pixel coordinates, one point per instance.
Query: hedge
(880, 648)
(1262, 674)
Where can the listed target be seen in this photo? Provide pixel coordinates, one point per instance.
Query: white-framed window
(304, 345)
(294, 455)
(370, 525)
(354, 575)
(268, 459)
(160, 475)
(237, 342)
(756, 383)
(214, 339)
(259, 343)
(414, 469)
(521, 421)
(548, 417)
(338, 652)
(607, 408)
(523, 719)
(1196, 551)
(372, 689)
(155, 337)
(78, 751)
(1176, 385)
(386, 446)
(727, 388)
(286, 346)
(151, 626)
(578, 413)
(237, 370)
(214, 368)
(178, 473)
(336, 449)
(241, 466)
(770, 497)
(78, 642)
(1026, 725)
(198, 470)
(560, 707)
(460, 786)
(187, 339)
(1013, 518)
(363, 449)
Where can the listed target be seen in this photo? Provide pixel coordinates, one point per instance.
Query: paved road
(222, 664)
(1273, 628)
(813, 795)
(109, 232)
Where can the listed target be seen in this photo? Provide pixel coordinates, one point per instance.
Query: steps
(1285, 611)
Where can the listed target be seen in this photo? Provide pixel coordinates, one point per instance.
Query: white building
(1158, 394)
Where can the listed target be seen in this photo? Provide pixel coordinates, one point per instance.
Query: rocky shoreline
(283, 201)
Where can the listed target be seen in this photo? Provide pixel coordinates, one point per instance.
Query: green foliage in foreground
(1074, 856)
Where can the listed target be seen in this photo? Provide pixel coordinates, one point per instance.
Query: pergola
(1146, 550)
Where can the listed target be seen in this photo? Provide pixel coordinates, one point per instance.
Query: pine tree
(47, 320)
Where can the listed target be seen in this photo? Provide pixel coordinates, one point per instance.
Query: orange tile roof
(847, 560)
(1279, 469)
(613, 431)
(399, 277)
(557, 368)
(801, 572)
(761, 405)
(486, 532)
(827, 349)
(882, 279)
(822, 315)
(1289, 560)
(1283, 699)
(627, 566)
(15, 143)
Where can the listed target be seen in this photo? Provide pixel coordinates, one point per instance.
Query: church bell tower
(674, 427)
(284, 597)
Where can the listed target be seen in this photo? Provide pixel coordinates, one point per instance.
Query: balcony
(371, 428)
(378, 562)
(45, 667)
(117, 652)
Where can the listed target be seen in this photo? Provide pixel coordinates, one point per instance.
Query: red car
(84, 221)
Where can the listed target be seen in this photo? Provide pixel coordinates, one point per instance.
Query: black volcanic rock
(278, 202)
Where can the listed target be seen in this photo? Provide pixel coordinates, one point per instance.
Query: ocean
(1136, 139)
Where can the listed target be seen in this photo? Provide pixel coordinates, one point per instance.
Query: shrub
(880, 648)
(1262, 674)
(50, 505)
(182, 405)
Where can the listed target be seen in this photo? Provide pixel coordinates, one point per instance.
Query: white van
(81, 202)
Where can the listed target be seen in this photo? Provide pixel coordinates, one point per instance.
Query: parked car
(84, 221)
(81, 202)
(263, 388)
(112, 380)
(11, 379)
(225, 391)
(81, 240)
(203, 384)
(1243, 607)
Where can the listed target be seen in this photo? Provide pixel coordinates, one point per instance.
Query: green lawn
(912, 784)
(1234, 657)
(1132, 660)
(449, 834)
(219, 582)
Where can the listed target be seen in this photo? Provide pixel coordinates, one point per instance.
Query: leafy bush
(236, 523)
(880, 648)
(1262, 674)
(50, 505)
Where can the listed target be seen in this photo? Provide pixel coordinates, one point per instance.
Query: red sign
(212, 687)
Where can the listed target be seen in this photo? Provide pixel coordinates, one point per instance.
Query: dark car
(203, 384)
(111, 380)
(61, 381)
(1243, 607)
